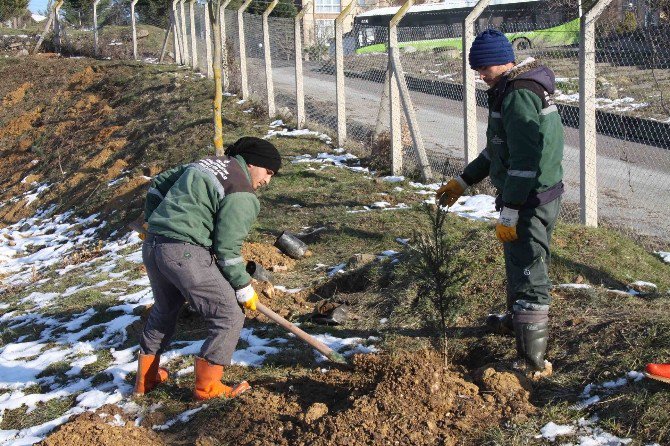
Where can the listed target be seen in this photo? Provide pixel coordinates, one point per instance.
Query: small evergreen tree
(10, 9)
(439, 271)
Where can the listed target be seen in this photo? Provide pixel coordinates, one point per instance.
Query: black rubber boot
(500, 324)
(531, 329)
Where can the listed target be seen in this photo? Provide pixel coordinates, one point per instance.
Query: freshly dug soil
(405, 399)
(268, 256)
(101, 429)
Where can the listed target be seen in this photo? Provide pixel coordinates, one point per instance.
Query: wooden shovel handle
(319, 346)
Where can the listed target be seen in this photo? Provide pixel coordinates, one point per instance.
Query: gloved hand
(247, 297)
(450, 192)
(506, 227)
(143, 234)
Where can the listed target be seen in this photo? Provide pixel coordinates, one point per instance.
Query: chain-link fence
(631, 75)
(633, 118)
(105, 30)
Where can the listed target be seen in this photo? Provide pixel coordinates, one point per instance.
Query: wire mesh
(319, 79)
(430, 54)
(631, 74)
(232, 52)
(633, 119)
(253, 32)
(282, 45)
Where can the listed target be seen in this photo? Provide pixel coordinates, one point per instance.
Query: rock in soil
(315, 411)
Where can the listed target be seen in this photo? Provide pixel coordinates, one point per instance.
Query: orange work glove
(506, 227)
(450, 192)
(247, 297)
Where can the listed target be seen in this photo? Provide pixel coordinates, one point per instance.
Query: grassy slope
(162, 115)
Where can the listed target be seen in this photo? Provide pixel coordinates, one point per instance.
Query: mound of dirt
(405, 399)
(268, 256)
(507, 388)
(102, 429)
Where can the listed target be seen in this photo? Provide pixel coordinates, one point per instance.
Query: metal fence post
(184, 36)
(404, 92)
(469, 89)
(395, 116)
(299, 90)
(57, 42)
(95, 27)
(134, 26)
(339, 73)
(268, 59)
(194, 45)
(175, 33)
(587, 115)
(243, 50)
(208, 43)
(224, 47)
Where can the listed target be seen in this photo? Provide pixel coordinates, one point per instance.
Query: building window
(328, 6)
(325, 30)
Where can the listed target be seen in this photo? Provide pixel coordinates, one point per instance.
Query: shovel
(319, 346)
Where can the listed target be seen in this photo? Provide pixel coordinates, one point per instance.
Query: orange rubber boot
(149, 375)
(208, 382)
(659, 372)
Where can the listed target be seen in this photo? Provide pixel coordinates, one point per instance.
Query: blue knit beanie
(490, 47)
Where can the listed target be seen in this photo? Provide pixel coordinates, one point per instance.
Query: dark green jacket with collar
(210, 203)
(524, 139)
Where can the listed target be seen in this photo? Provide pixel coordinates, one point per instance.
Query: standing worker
(198, 215)
(523, 155)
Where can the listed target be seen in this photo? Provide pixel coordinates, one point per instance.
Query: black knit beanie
(256, 151)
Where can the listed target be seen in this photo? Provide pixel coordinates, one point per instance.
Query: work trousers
(181, 272)
(527, 259)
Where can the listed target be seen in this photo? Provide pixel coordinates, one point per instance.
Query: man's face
(491, 75)
(260, 176)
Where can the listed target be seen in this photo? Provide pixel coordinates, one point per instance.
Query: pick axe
(318, 345)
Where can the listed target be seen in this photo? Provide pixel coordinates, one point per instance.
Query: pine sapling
(439, 270)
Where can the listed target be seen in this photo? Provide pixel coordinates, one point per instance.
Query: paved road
(633, 179)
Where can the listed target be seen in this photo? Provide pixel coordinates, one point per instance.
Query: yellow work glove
(247, 297)
(450, 192)
(506, 227)
(143, 234)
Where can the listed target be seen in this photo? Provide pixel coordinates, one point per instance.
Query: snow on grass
(181, 418)
(38, 242)
(586, 432)
(295, 133)
(283, 289)
(621, 105)
(329, 159)
(475, 207)
(588, 398)
(60, 347)
(346, 346)
(665, 256)
(552, 430)
(578, 286)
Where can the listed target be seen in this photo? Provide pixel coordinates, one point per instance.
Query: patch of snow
(336, 269)
(665, 256)
(552, 430)
(283, 289)
(581, 286)
(181, 418)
